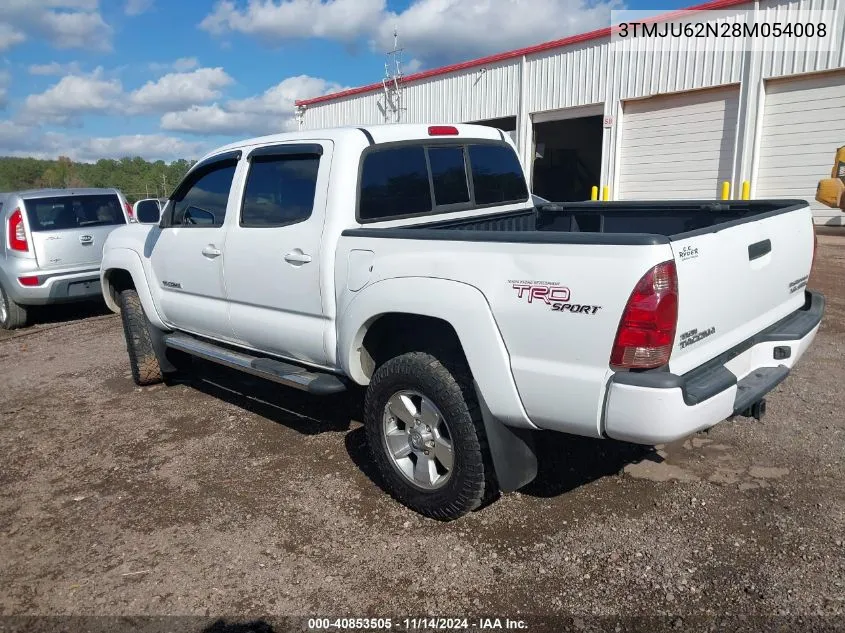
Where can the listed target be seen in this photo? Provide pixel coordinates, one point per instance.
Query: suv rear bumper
(655, 407)
(56, 286)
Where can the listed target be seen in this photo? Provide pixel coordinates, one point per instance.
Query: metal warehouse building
(645, 123)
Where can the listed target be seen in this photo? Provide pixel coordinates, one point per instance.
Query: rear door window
(280, 190)
(394, 183)
(497, 176)
(73, 212)
(448, 175)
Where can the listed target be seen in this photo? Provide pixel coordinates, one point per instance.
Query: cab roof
(384, 133)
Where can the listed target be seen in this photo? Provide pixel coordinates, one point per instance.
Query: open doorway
(567, 158)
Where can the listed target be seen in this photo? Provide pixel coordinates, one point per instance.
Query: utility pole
(164, 185)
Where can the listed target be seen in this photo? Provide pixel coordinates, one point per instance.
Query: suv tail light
(17, 233)
(647, 329)
(129, 211)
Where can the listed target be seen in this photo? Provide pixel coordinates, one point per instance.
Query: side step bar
(320, 384)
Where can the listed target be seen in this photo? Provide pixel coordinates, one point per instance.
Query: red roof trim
(538, 48)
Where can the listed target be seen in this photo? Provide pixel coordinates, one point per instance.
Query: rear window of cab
(425, 179)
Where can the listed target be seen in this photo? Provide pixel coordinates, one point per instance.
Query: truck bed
(648, 222)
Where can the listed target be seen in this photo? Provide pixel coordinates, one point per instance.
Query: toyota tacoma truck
(412, 260)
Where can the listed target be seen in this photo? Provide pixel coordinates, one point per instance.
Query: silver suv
(52, 246)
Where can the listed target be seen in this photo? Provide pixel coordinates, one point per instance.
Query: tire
(12, 315)
(396, 390)
(142, 359)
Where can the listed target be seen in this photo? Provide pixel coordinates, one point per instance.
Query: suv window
(73, 212)
(204, 202)
(448, 175)
(280, 190)
(394, 182)
(496, 175)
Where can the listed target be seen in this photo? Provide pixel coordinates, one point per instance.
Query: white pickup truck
(410, 259)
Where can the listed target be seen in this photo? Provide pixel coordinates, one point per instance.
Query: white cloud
(137, 7)
(55, 68)
(71, 97)
(62, 23)
(213, 119)
(267, 113)
(433, 31)
(23, 140)
(443, 30)
(149, 146)
(181, 65)
(294, 19)
(9, 36)
(76, 95)
(179, 90)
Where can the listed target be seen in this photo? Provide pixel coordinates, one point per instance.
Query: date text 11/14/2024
(415, 624)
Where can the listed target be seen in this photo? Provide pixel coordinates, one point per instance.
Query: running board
(320, 384)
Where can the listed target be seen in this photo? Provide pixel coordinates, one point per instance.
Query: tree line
(135, 177)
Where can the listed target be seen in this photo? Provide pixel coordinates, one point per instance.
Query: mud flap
(160, 349)
(511, 449)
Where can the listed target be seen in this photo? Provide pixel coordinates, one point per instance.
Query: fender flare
(461, 305)
(128, 260)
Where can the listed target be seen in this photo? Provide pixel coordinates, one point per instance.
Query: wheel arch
(121, 269)
(446, 313)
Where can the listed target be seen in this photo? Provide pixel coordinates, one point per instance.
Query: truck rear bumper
(655, 407)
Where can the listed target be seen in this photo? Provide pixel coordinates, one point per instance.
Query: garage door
(803, 124)
(678, 146)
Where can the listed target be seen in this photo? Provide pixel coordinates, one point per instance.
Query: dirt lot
(230, 497)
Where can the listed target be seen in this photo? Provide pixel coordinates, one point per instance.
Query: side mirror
(147, 211)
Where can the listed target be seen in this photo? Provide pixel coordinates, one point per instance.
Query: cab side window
(202, 200)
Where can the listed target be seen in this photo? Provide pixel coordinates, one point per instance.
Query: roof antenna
(392, 83)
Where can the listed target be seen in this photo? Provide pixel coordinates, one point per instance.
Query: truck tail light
(17, 233)
(647, 329)
(442, 130)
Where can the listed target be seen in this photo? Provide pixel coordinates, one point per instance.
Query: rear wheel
(12, 315)
(426, 436)
(142, 358)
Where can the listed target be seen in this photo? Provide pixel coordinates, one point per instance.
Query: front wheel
(139, 345)
(426, 436)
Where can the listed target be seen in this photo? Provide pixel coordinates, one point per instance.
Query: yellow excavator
(831, 191)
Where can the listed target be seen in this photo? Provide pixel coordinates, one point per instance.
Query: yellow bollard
(726, 190)
(594, 193)
(605, 193)
(746, 190)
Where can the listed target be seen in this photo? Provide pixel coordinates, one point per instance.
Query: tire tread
(448, 382)
(142, 359)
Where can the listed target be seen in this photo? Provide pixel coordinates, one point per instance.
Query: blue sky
(173, 78)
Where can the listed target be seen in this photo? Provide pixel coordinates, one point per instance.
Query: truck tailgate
(737, 279)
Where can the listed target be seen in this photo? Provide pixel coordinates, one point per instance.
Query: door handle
(297, 257)
(211, 251)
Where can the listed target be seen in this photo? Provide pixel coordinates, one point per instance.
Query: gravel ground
(225, 496)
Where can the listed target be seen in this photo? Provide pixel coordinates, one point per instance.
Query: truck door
(187, 250)
(273, 252)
